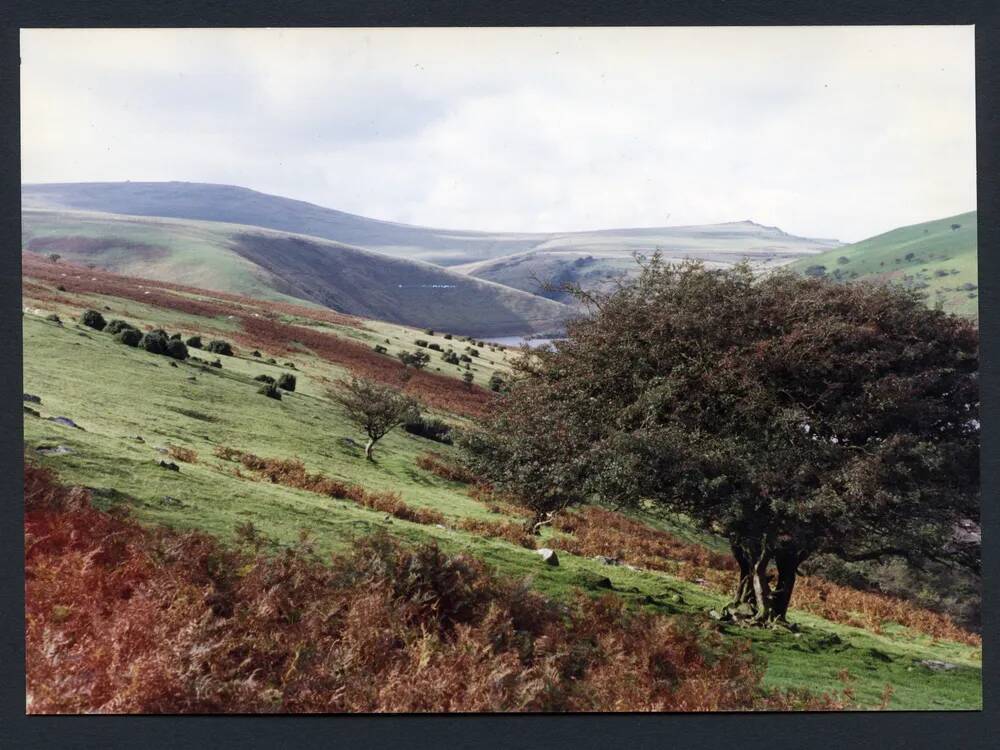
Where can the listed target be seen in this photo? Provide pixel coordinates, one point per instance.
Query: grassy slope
(115, 393)
(278, 266)
(943, 259)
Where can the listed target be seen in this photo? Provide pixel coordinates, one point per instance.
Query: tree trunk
(761, 588)
(787, 562)
(370, 449)
(744, 593)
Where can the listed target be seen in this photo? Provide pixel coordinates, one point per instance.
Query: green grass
(931, 256)
(115, 393)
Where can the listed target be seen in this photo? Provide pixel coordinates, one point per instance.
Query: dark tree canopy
(374, 408)
(793, 415)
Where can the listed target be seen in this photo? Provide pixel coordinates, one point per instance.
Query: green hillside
(118, 395)
(280, 266)
(937, 257)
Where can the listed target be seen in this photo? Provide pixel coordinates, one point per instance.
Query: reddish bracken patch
(260, 329)
(120, 618)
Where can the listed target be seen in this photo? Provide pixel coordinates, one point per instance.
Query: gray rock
(548, 556)
(32, 399)
(715, 614)
(607, 560)
(138, 438)
(937, 665)
(171, 501)
(53, 450)
(160, 449)
(65, 422)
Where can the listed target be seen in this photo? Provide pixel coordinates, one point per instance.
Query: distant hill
(938, 257)
(608, 249)
(591, 259)
(280, 265)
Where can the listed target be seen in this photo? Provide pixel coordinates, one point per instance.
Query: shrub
(255, 353)
(265, 379)
(176, 349)
(496, 382)
(216, 363)
(379, 349)
(431, 429)
(220, 347)
(93, 319)
(129, 337)
(194, 342)
(290, 365)
(175, 337)
(465, 358)
(450, 357)
(117, 325)
(816, 271)
(420, 342)
(448, 336)
(286, 381)
(435, 347)
(270, 390)
(468, 377)
(843, 260)
(154, 342)
(429, 331)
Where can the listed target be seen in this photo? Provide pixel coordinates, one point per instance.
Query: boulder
(32, 398)
(548, 556)
(607, 560)
(937, 665)
(65, 422)
(53, 450)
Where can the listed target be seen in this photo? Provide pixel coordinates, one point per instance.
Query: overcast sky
(824, 132)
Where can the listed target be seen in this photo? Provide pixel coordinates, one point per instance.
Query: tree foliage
(795, 416)
(374, 408)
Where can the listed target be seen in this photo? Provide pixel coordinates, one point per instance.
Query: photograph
(481, 370)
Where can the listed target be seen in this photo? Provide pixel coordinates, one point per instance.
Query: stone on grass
(548, 556)
(65, 422)
(32, 398)
(937, 665)
(53, 450)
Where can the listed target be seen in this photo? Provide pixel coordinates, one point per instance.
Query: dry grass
(121, 618)
(440, 466)
(292, 473)
(182, 454)
(515, 533)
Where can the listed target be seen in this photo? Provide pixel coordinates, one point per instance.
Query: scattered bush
(271, 391)
(515, 533)
(175, 337)
(815, 271)
(154, 342)
(220, 347)
(468, 377)
(93, 319)
(448, 336)
(194, 342)
(435, 347)
(450, 357)
(465, 358)
(117, 325)
(496, 382)
(379, 349)
(421, 342)
(265, 379)
(255, 353)
(843, 260)
(129, 336)
(176, 349)
(433, 429)
(440, 466)
(286, 381)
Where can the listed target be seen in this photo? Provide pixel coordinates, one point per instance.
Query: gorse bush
(431, 428)
(286, 381)
(129, 336)
(93, 319)
(120, 618)
(176, 349)
(270, 390)
(219, 346)
(264, 379)
(155, 341)
(194, 342)
(118, 325)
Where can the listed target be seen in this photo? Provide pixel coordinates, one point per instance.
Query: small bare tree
(374, 408)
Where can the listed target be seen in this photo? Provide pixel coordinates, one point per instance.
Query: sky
(830, 132)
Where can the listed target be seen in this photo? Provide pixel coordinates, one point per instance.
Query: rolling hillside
(591, 259)
(937, 257)
(446, 247)
(107, 416)
(281, 266)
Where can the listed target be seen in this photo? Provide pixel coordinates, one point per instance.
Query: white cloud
(836, 132)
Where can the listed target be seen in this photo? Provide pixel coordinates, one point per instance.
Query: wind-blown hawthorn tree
(374, 408)
(795, 416)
